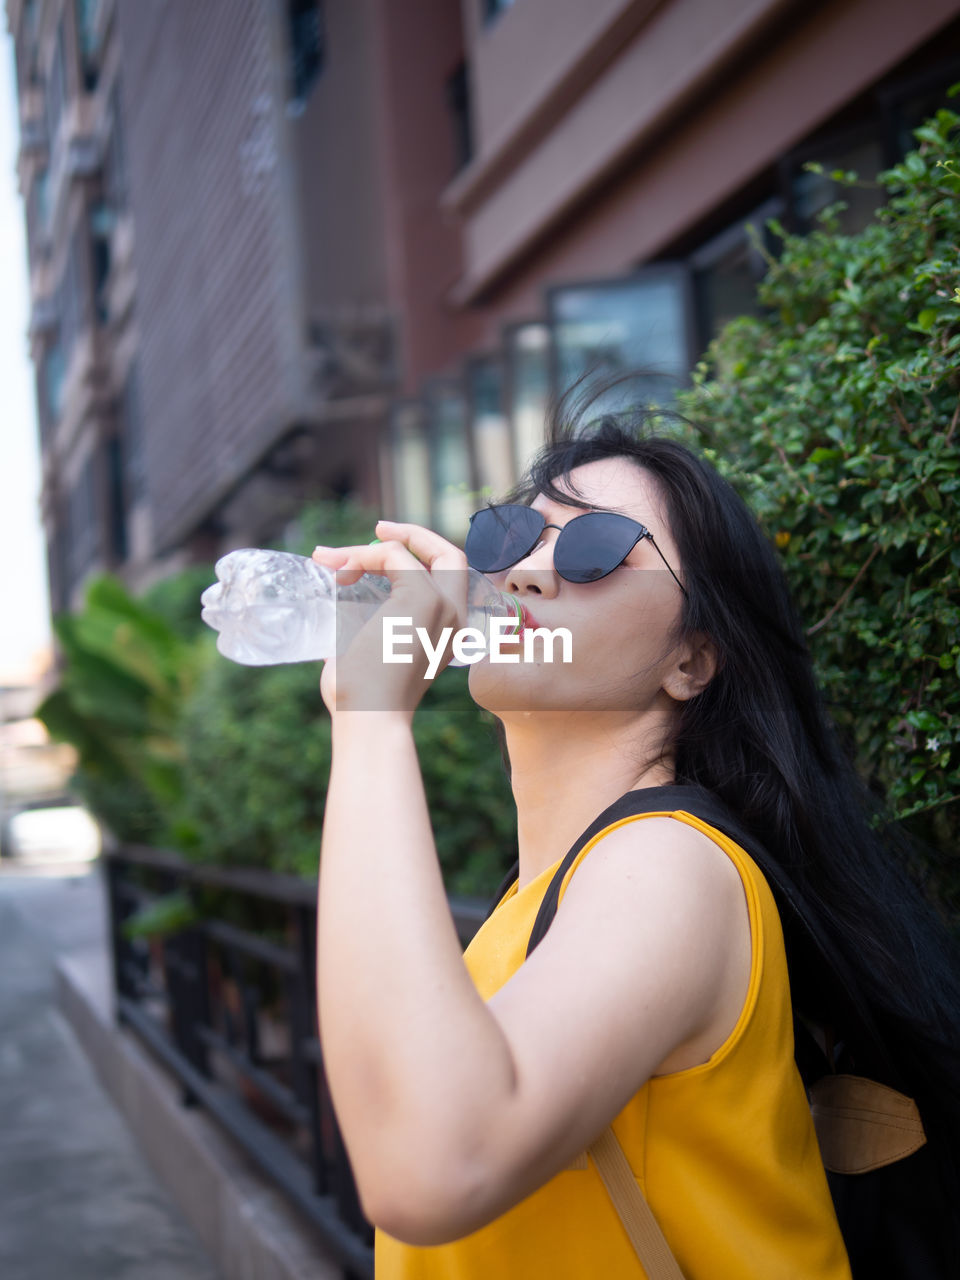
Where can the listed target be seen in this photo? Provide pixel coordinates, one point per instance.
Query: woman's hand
(428, 577)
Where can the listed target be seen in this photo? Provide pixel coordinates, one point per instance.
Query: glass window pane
(43, 199)
(411, 464)
(491, 430)
(493, 8)
(454, 498)
(811, 192)
(910, 111)
(86, 14)
(728, 267)
(54, 375)
(133, 445)
(528, 362)
(56, 89)
(82, 508)
(726, 289)
(638, 325)
(307, 50)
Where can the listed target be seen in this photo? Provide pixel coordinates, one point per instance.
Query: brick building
(280, 247)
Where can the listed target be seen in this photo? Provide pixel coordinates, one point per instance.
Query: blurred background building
(281, 248)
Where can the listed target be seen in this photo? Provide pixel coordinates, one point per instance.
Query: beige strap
(649, 1242)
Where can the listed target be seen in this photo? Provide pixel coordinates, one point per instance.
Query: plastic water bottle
(272, 607)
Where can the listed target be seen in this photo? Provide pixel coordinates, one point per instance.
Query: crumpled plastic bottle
(271, 607)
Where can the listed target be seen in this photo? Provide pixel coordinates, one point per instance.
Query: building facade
(282, 248)
(621, 151)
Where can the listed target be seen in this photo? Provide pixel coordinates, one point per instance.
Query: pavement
(77, 1199)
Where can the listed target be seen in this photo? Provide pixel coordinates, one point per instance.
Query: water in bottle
(271, 607)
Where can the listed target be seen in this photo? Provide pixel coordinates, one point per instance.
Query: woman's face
(624, 627)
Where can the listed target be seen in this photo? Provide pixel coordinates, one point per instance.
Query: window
(26, 49)
(308, 42)
(452, 480)
(907, 104)
(84, 540)
(458, 102)
(87, 41)
(56, 89)
(492, 9)
(52, 378)
(411, 464)
(492, 445)
(728, 268)
(75, 290)
(57, 567)
(807, 192)
(38, 214)
(115, 160)
(528, 387)
(117, 505)
(638, 325)
(41, 191)
(131, 438)
(102, 222)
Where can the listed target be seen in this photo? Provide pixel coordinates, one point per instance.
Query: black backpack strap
(512, 875)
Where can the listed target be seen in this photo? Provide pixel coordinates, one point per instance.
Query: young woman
(658, 1001)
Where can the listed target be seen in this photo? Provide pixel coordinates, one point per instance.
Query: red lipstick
(528, 620)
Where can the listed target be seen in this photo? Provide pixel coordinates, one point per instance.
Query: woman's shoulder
(689, 886)
(686, 858)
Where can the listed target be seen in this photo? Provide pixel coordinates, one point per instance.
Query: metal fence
(228, 1003)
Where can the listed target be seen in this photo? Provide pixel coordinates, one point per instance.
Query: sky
(24, 607)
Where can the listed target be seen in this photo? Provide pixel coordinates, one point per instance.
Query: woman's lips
(528, 620)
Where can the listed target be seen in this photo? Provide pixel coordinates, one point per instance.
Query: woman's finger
(430, 548)
(385, 558)
(446, 563)
(405, 546)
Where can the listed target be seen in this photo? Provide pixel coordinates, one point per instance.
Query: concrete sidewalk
(77, 1199)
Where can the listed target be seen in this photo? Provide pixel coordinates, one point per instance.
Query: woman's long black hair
(759, 738)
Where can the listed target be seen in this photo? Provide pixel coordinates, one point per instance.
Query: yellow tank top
(724, 1152)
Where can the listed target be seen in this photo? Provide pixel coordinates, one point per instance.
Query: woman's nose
(535, 572)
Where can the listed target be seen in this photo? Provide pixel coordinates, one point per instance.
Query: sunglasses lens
(500, 536)
(592, 545)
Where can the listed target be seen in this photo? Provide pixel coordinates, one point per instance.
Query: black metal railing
(228, 1003)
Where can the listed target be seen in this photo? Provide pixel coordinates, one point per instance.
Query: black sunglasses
(588, 548)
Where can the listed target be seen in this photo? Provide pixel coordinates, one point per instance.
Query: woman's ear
(696, 665)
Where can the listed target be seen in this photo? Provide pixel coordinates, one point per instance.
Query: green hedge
(256, 750)
(125, 675)
(255, 744)
(837, 415)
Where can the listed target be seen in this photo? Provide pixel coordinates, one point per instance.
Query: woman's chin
(504, 687)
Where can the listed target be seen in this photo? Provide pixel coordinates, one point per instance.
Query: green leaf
(164, 916)
(926, 319)
(856, 349)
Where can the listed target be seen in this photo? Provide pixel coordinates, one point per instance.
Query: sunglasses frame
(642, 532)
